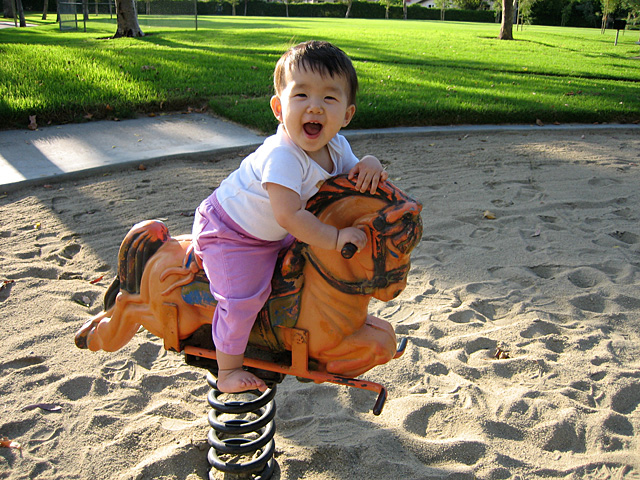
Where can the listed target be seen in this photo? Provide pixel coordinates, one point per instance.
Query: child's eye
(300, 95)
(331, 99)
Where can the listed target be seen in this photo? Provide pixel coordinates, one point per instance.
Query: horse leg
(112, 330)
(373, 344)
(83, 334)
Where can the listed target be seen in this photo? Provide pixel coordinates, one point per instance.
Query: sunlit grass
(411, 72)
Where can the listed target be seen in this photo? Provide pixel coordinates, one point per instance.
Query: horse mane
(138, 246)
(339, 187)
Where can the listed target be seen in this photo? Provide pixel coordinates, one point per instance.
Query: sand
(553, 281)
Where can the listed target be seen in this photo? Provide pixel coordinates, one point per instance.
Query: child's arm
(370, 172)
(302, 224)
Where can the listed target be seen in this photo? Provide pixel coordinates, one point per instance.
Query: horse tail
(143, 240)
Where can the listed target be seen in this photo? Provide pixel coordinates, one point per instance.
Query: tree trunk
(44, 10)
(506, 28)
(7, 8)
(127, 19)
(23, 22)
(404, 9)
(348, 9)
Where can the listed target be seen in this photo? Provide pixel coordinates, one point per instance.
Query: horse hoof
(83, 334)
(81, 340)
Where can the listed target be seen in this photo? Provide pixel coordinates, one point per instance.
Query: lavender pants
(239, 268)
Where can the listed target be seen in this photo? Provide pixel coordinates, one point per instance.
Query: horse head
(393, 225)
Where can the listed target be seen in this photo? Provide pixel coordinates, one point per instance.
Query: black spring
(243, 437)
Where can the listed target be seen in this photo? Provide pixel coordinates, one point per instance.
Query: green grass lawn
(411, 72)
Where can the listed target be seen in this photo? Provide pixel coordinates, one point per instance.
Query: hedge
(259, 8)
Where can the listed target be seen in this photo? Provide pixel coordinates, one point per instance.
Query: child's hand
(351, 235)
(370, 173)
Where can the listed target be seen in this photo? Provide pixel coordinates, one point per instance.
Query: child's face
(312, 107)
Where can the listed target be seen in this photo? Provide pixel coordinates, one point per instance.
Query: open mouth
(312, 129)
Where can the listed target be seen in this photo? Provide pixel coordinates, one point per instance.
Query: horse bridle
(403, 234)
(402, 224)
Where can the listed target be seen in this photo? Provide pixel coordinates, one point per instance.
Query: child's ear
(351, 110)
(276, 107)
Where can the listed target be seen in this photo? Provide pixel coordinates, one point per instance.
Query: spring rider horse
(314, 326)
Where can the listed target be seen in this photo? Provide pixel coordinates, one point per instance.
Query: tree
(608, 7)
(127, 16)
(10, 10)
(349, 3)
(524, 12)
(442, 5)
(388, 3)
(23, 22)
(506, 26)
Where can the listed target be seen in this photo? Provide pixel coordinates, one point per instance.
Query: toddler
(259, 209)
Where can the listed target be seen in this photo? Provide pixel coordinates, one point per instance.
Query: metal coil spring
(240, 433)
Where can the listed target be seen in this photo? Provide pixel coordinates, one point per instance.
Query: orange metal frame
(300, 367)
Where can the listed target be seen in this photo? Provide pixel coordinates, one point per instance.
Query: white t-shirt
(278, 160)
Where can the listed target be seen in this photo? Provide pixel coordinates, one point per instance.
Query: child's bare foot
(238, 380)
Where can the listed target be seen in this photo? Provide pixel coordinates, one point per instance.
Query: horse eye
(379, 224)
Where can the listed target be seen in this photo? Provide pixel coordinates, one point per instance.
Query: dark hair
(319, 57)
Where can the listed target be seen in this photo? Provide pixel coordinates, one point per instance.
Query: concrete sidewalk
(61, 152)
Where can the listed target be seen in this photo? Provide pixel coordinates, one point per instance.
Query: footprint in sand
(22, 362)
(467, 316)
(626, 396)
(562, 433)
(540, 328)
(586, 277)
(626, 237)
(76, 388)
(609, 431)
(589, 303)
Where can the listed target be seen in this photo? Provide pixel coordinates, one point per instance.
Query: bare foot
(238, 380)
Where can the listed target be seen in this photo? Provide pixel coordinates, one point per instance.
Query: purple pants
(239, 268)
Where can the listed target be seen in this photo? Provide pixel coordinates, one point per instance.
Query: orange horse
(318, 306)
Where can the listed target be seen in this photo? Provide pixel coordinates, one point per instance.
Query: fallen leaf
(501, 354)
(37, 226)
(96, 280)
(142, 167)
(489, 215)
(49, 407)
(536, 233)
(32, 123)
(80, 302)
(5, 442)
(5, 283)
